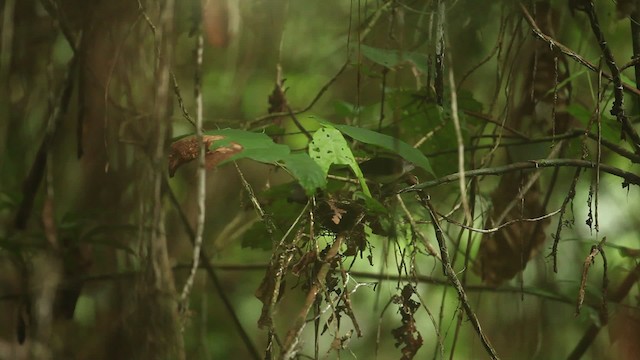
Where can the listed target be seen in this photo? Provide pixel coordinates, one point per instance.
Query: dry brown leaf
(187, 149)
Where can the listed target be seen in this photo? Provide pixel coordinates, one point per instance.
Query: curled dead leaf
(187, 149)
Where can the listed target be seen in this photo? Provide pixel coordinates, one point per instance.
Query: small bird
(385, 169)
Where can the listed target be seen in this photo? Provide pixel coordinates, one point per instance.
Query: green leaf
(306, 171)
(386, 142)
(329, 147)
(256, 146)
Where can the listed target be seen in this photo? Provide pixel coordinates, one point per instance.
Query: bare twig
(508, 223)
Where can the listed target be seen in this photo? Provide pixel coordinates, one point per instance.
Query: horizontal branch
(635, 158)
(629, 178)
(535, 292)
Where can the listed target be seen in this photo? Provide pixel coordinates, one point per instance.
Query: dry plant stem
(556, 238)
(293, 335)
(460, 140)
(201, 175)
(211, 272)
(570, 53)
(590, 259)
(630, 178)
(451, 275)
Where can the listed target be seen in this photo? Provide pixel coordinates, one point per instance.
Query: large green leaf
(256, 146)
(261, 148)
(329, 147)
(386, 142)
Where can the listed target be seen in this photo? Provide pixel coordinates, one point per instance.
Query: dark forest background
(139, 136)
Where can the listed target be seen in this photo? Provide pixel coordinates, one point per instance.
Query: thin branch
(210, 269)
(201, 175)
(617, 109)
(205, 264)
(495, 229)
(629, 178)
(451, 275)
(635, 158)
(556, 237)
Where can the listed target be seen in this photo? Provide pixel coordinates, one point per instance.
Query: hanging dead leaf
(278, 99)
(407, 335)
(187, 149)
(506, 252)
